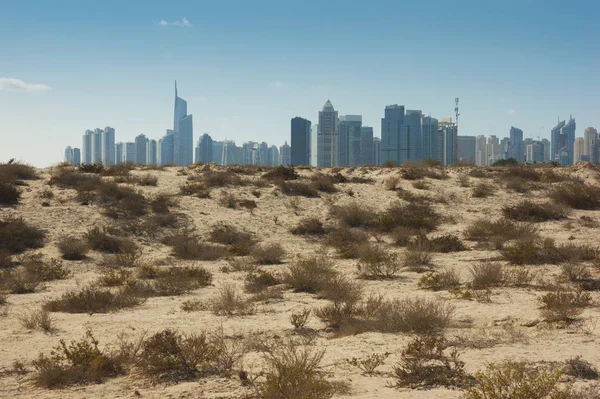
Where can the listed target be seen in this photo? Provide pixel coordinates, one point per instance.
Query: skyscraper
(129, 154)
(578, 149)
(481, 154)
(151, 149)
(86, 147)
(314, 134)
(119, 152)
(376, 151)
(517, 150)
(401, 136)
(546, 150)
(285, 156)
(108, 146)
(165, 151)
(430, 135)
(300, 141)
(204, 150)
(466, 149)
(326, 137)
(563, 140)
(141, 143)
(76, 157)
(69, 155)
(263, 154)
(97, 146)
(367, 155)
(231, 154)
(534, 152)
(217, 152)
(350, 141)
(449, 137)
(273, 155)
(589, 135)
(184, 133)
(493, 149)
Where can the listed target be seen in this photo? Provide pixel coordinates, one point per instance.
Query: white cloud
(511, 111)
(183, 22)
(11, 84)
(277, 84)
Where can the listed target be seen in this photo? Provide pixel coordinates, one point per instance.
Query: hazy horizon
(247, 69)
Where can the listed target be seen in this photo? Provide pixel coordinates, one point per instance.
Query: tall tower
(184, 132)
(328, 126)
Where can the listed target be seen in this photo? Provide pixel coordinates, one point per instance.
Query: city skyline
(250, 67)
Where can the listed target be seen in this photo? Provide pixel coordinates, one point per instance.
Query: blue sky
(247, 67)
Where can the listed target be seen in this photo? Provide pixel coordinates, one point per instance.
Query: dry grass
(260, 280)
(100, 240)
(229, 302)
(499, 231)
(239, 242)
(445, 243)
(187, 246)
(417, 258)
(347, 241)
(417, 216)
(298, 188)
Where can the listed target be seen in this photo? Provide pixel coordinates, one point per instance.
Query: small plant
(464, 181)
(299, 319)
(239, 242)
(347, 241)
(100, 240)
(281, 173)
(37, 319)
(417, 216)
(563, 305)
(375, 263)
(414, 315)
(445, 243)
(270, 254)
(424, 364)
(309, 226)
(228, 302)
(114, 277)
(368, 364)
(181, 280)
(499, 231)
(535, 252)
(73, 248)
(391, 183)
(486, 275)
(80, 362)
(310, 274)
(440, 280)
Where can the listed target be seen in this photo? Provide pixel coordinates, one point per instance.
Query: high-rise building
(493, 149)
(314, 134)
(165, 151)
(86, 147)
(217, 152)
(69, 155)
(326, 137)
(232, 154)
(449, 138)
(108, 146)
(129, 154)
(76, 157)
(516, 148)
(263, 154)
(401, 138)
(430, 135)
(341, 145)
(249, 148)
(204, 149)
(141, 144)
(376, 151)
(578, 149)
(466, 149)
(184, 133)
(97, 146)
(151, 152)
(589, 135)
(546, 150)
(563, 140)
(300, 141)
(367, 155)
(285, 156)
(119, 152)
(481, 154)
(534, 152)
(273, 155)
(350, 152)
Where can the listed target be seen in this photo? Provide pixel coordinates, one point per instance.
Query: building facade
(466, 149)
(141, 145)
(108, 146)
(481, 154)
(300, 141)
(366, 148)
(517, 150)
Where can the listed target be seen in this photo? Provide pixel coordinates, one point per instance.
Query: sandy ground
(506, 316)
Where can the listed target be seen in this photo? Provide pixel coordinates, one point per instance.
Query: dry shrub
(92, 300)
(580, 274)
(576, 194)
(19, 281)
(294, 372)
(409, 196)
(563, 305)
(537, 252)
(464, 181)
(35, 266)
(161, 203)
(6, 259)
(391, 183)
(121, 202)
(257, 281)
(67, 178)
(91, 168)
(487, 274)
(309, 226)
(219, 179)
(197, 189)
(80, 362)
(512, 379)
(417, 258)
(281, 173)
(170, 357)
(17, 236)
(323, 183)
(424, 364)
(187, 246)
(310, 274)
(300, 318)
(445, 243)
(100, 240)
(239, 242)
(121, 169)
(499, 231)
(580, 368)
(347, 241)
(144, 180)
(298, 188)
(354, 214)
(37, 319)
(482, 190)
(248, 204)
(369, 364)
(181, 280)
(114, 277)
(417, 216)
(73, 248)
(402, 236)
(414, 315)
(376, 263)
(446, 279)
(420, 185)
(529, 211)
(9, 194)
(14, 171)
(228, 302)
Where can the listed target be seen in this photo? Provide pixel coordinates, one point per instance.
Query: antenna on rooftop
(456, 110)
